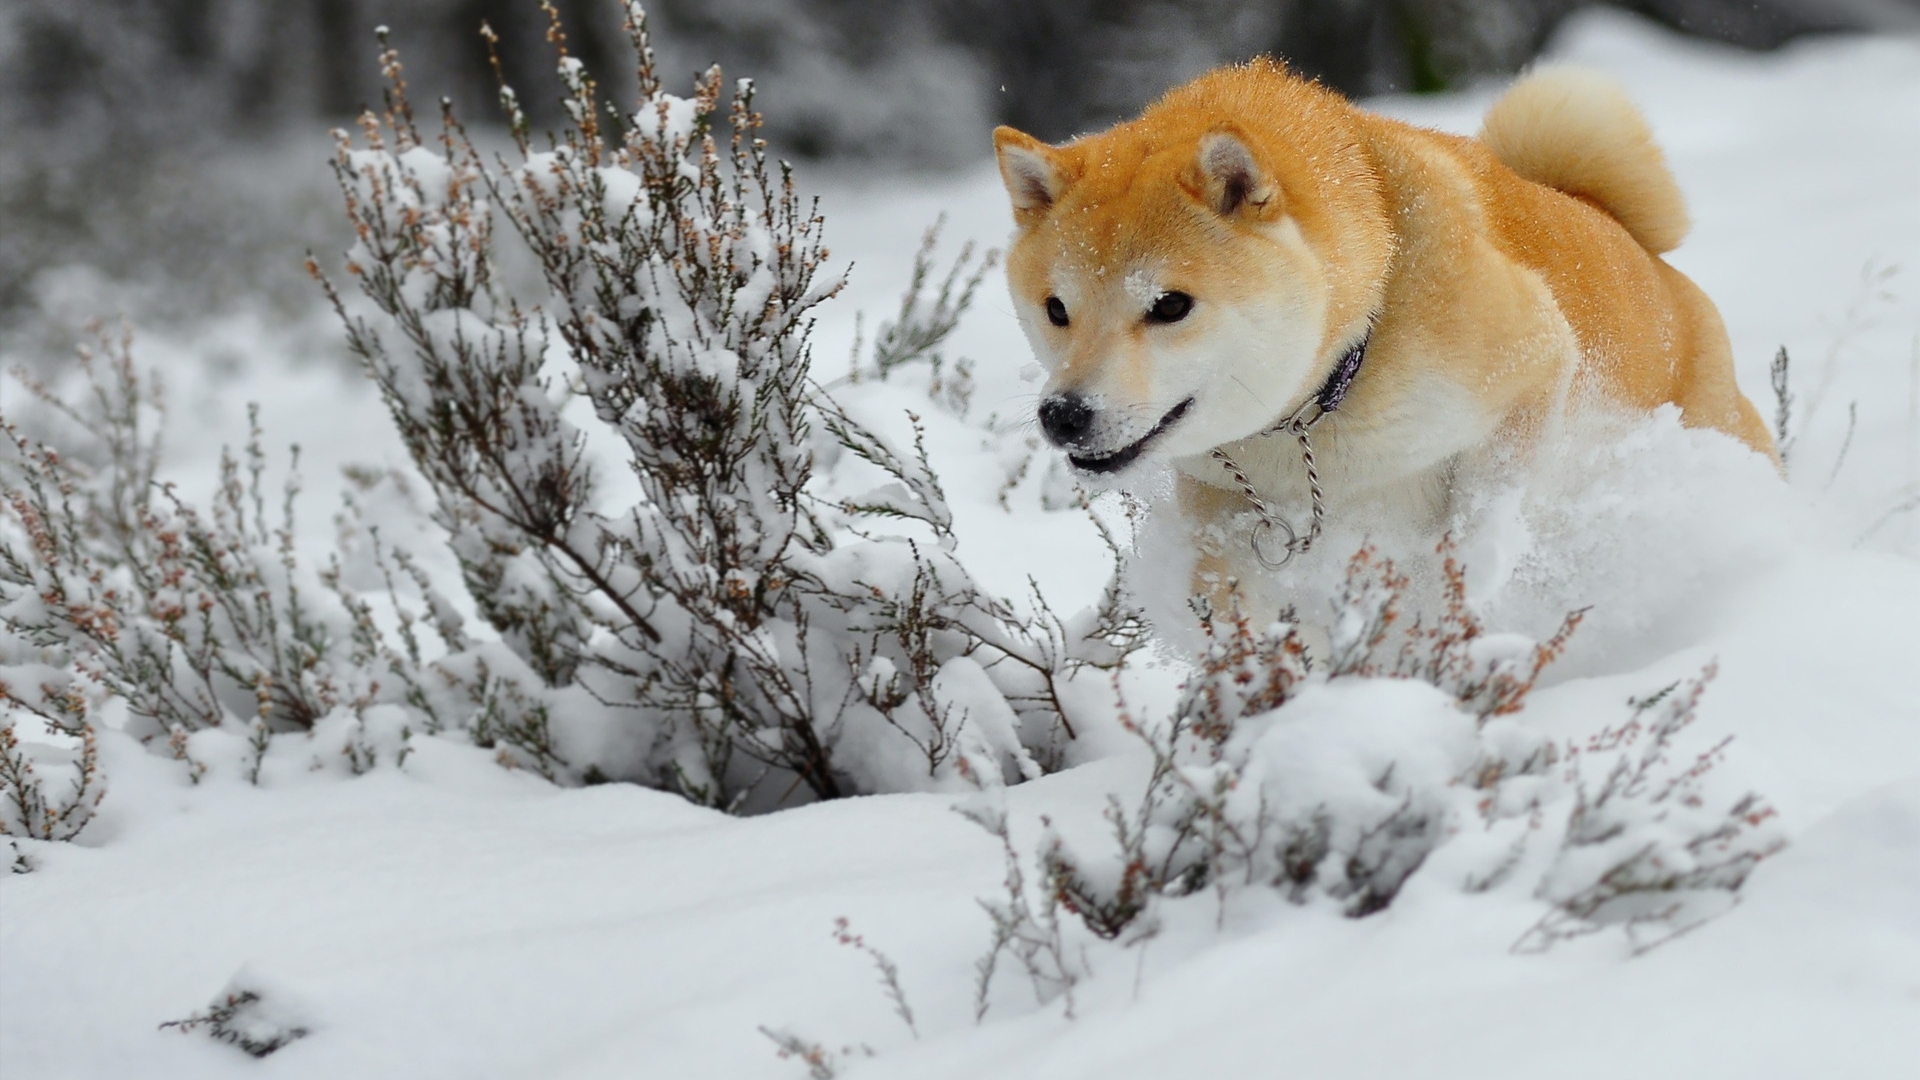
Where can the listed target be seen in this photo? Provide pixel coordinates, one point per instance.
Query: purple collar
(1334, 390)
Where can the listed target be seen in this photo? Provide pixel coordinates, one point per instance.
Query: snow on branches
(749, 633)
(1335, 783)
(193, 618)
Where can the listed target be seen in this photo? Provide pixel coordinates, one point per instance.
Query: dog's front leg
(1208, 512)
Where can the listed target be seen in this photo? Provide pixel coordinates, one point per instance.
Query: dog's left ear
(1032, 171)
(1228, 177)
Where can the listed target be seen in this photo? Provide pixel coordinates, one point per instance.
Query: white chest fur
(1387, 457)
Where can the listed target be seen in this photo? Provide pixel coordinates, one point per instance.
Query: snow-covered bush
(192, 617)
(116, 588)
(921, 325)
(25, 807)
(743, 631)
(250, 1014)
(112, 585)
(1334, 783)
(736, 628)
(1641, 847)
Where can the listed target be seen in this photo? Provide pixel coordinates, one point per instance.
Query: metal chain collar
(1315, 409)
(1270, 519)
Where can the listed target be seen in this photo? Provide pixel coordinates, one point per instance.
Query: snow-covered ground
(453, 919)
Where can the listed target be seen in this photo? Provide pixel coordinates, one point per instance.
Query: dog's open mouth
(1126, 455)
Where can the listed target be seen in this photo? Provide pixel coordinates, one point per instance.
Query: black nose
(1066, 418)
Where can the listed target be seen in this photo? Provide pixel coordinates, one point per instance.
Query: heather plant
(249, 1015)
(739, 629)
(1333, 781)
(1641, 848)
(927, 315)
(191, 616)
(115, 588)
(747, 629)
(26, 808)
(1027, 925)
(821, 1063)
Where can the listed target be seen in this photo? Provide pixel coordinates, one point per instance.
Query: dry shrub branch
(755, 600)
(1336, 783)
(752, 632)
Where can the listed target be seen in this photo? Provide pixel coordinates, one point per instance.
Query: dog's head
(1174, 281)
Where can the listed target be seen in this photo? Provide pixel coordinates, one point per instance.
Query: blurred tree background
(110, 110)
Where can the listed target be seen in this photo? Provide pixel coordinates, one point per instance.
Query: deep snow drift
(449, 918)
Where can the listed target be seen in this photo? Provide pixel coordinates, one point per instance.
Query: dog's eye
(1170, 307)
(1056, 311)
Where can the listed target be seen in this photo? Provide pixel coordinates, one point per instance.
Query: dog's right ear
(1031, 171)
(1228, 178)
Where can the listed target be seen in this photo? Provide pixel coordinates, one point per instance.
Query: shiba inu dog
(1256, 255)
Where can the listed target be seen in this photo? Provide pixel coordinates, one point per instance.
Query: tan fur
(1575, 131)
(1503, 279)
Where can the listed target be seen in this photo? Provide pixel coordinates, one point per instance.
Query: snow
(450, 918)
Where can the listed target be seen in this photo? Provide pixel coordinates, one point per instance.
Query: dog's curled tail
(1576, 131)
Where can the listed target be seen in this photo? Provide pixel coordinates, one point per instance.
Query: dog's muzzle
(1067, 419)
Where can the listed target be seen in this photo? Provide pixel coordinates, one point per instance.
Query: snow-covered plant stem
(1028, 930)
(25, 808)
(113, 585)
(193, 617)
(889, 971)
(819, 1060)
(1641, 849)
(1338, 781)
(759, 636)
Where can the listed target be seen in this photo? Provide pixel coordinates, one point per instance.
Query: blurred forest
(111, 110)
